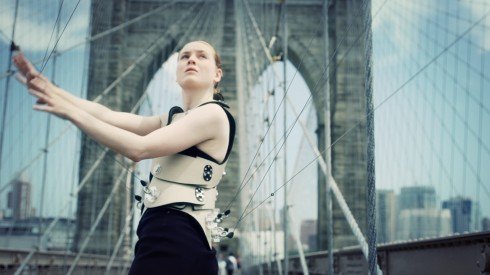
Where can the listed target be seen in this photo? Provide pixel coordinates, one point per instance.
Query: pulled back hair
(217, 60)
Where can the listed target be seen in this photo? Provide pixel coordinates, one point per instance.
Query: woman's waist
(160, 192)
(205, 218)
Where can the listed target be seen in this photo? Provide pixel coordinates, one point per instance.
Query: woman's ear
(219, 75)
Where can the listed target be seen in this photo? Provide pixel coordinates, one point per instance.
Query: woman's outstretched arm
(205, 123)
(140, 125)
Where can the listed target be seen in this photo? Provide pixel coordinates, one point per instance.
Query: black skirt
(172, 242)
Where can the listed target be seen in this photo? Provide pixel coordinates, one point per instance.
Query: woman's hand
(49, 100)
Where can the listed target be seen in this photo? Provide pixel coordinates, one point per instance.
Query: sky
(25, 130)
(433, 131)
(430, 133)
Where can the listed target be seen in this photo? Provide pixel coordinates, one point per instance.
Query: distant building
(385, 216)
(463, 212)
(418, 215)
(417, 197)
(422, 223)
(475, 217)
(485, 224)
(19, 199)
(308, 234)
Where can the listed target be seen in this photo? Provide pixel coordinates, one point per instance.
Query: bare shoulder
(210, 112)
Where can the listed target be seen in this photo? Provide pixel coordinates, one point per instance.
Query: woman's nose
(191, 60)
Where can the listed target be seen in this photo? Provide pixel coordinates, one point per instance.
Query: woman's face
(196, 68)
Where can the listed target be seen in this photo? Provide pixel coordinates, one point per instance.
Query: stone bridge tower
(154, 37)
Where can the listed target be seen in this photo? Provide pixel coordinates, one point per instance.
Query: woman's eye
(184, 56)
(202, 56)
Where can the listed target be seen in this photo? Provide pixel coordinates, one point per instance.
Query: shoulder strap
(232, 134)
(220, 103)
(231, 120)
(174, 110)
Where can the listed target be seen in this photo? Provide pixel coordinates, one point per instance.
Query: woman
(189, 148)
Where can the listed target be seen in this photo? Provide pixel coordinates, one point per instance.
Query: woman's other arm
(204, 123)
(140, 125)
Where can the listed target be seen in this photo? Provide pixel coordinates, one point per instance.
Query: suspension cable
(315, 86)
(102, 34)
(96, 222)
(109, 88)
(411, 78)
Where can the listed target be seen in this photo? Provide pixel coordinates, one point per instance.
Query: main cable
(52, 32)
(59, 37)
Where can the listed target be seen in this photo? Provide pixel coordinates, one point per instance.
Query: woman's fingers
(24, 65)
(20, 63)
(41, 96)
(44, 108)
(53, 106)
(40, 101)
(22, 79)
(38, 84)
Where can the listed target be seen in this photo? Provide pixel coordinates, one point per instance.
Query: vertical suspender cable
(7, 82)
(371, 181)
(274, 211)
(480, 120)
(46, 143)
(285, 210)
(328, 141)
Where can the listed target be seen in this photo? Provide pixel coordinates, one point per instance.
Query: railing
(459, 254)
(59, 263)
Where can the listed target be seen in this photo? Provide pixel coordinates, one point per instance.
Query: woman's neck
(194, 98)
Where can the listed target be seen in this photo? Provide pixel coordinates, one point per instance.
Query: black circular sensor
(207, 173)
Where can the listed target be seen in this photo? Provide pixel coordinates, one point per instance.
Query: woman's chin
(193, 85)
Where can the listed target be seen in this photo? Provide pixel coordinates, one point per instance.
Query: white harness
(192, 181)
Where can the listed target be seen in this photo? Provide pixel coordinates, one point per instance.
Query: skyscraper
(386, 215)
(418, 215)
(462, 213)
(485, 224)
(417, 197)
(422, 223)
(19, 199)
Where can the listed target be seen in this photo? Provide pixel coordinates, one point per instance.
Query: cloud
(397, 19)
(478, 10)
(397, 16)
(34, 28)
